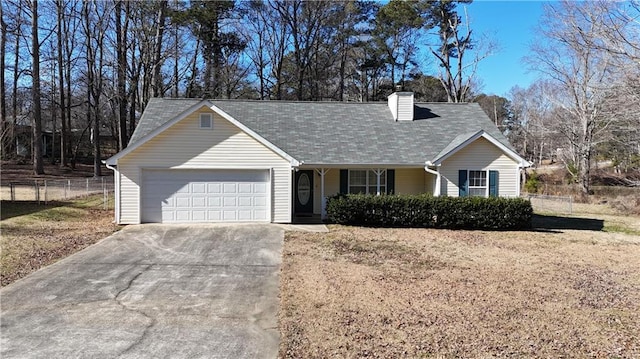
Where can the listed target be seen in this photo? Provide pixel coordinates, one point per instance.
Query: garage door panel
(183, 202)
(199, 202)
(245, 188)
(245, 201)
(245, 215)
(229, 216)
(214, 215)
(182, 216)
(199, 216)
(198, 188)
(204, 195)
(214, 188)
(168, 216)
(229, 201)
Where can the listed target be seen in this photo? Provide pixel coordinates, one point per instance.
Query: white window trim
(203, 116)
(486, 186)
(367, 185)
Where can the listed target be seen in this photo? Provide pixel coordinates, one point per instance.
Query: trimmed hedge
(426, 211)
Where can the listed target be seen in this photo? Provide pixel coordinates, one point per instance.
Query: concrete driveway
(152, 291)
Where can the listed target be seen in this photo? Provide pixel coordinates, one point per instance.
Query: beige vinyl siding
(185, 145)
(480, 155)
(407, 181)
(412, 181)
(331, 187)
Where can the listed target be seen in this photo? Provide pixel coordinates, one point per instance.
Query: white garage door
(204, 196)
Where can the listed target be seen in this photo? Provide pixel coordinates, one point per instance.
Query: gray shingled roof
(336, 133)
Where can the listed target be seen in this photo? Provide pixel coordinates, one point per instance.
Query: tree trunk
(176, 80)
(156, 81)
(68, 52)
(121, 43)
(52, 156)
(61, 64)
(38, 166)
(16, 73)
(6, 128)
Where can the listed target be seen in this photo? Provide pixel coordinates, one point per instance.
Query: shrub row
(426, 211)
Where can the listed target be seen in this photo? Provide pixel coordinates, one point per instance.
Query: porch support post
(378, 173)
(323, 199)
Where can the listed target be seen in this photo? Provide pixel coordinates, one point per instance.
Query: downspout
(436, 191)
(116, 191)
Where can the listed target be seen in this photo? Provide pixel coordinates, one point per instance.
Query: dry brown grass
(35, 235)
(389, 293)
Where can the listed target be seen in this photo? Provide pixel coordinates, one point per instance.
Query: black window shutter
(463, 184)
(391, 181)
(344, 181)
(493, 183)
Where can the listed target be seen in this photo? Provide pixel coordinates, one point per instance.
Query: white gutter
(116, 191)
(436, 191)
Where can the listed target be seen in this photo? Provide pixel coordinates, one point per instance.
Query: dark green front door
(304, 193)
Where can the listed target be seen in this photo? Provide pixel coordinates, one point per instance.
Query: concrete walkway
(152, 291)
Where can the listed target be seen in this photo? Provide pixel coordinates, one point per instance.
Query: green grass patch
(52, 211)
(620, 228)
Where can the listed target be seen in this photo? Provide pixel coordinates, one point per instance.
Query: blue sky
(511, 25)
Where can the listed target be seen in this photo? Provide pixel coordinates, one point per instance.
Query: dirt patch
(35, 235)
(381, 293)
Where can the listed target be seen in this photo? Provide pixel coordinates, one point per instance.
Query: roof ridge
(306, 101)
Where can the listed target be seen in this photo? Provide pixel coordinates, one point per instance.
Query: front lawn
(35, 235)
(392, 293)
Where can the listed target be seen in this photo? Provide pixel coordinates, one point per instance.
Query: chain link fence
(47, 190)
(547, 203)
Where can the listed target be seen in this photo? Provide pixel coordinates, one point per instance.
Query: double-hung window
(366, 181)
(478, 183)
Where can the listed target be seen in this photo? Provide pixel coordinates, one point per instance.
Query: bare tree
(62, 97)
(457, 71)
(534, 125)
(567, 56)
(156, 81)
(121, 51)
(36, 123)
(6, 128)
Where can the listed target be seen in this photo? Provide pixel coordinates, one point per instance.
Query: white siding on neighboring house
(187, 146)
(480, 155)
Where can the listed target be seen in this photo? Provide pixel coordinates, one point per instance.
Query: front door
(304, 193)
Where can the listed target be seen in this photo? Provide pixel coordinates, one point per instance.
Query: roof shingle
(340, 133)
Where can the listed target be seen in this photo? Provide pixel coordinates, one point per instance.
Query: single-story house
(192, 160)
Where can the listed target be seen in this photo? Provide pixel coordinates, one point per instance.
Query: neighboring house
(195, 160)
